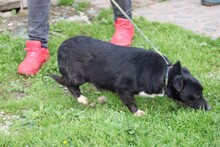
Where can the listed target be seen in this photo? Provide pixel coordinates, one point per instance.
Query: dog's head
(183, 87)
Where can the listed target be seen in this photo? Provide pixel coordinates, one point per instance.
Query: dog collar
(169, 67)
(167, 74)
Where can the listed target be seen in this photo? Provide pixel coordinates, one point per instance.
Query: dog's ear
(178, 83)
(185, 70)
(177, 68)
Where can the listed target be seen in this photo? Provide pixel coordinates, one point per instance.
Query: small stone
(92, 104)
(5, 14)
(2, 113)
(102, 99)
(23, 12)
(10, 24)
(81, 18)
(92, 13)
(55, 2)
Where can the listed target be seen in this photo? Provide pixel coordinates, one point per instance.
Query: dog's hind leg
(75, 91)
(58, 79)
(129, 100)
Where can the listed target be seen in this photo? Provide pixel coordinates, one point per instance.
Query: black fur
(124, 70)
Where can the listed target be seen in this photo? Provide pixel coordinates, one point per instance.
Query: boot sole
(209, 4)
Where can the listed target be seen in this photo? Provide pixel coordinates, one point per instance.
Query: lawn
(36, 111)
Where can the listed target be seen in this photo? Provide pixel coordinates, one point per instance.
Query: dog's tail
(59, 79)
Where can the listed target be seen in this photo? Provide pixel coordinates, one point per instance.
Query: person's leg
(124, 30)
(38, 17)
(38, 30)
(126, 5)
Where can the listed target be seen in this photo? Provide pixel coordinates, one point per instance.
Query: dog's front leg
(129, 100)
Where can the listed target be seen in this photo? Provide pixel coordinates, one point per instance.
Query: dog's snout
(207, 108)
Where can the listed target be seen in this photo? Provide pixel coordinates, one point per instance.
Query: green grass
(49, 116)
(66, 2)
(79, 6)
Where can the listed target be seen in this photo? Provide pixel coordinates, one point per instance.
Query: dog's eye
(197, 95)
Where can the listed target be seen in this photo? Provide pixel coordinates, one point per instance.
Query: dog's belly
(143, 94)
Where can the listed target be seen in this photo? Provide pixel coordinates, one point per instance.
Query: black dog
(126, 71)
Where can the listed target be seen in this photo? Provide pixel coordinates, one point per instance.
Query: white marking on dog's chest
(143, 94)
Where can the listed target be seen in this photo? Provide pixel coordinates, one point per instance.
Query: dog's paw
(139, 113)
(83, 100)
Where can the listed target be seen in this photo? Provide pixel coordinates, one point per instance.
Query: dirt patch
(17, 23)
(16, 89)
(214, 75)
(18, 94)
(6, 122)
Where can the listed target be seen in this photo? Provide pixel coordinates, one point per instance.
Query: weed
(66, 2)
(82, 6)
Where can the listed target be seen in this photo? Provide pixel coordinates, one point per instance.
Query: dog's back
(83, 59)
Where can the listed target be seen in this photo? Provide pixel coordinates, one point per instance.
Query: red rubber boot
(35, 57)
(124, 32)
